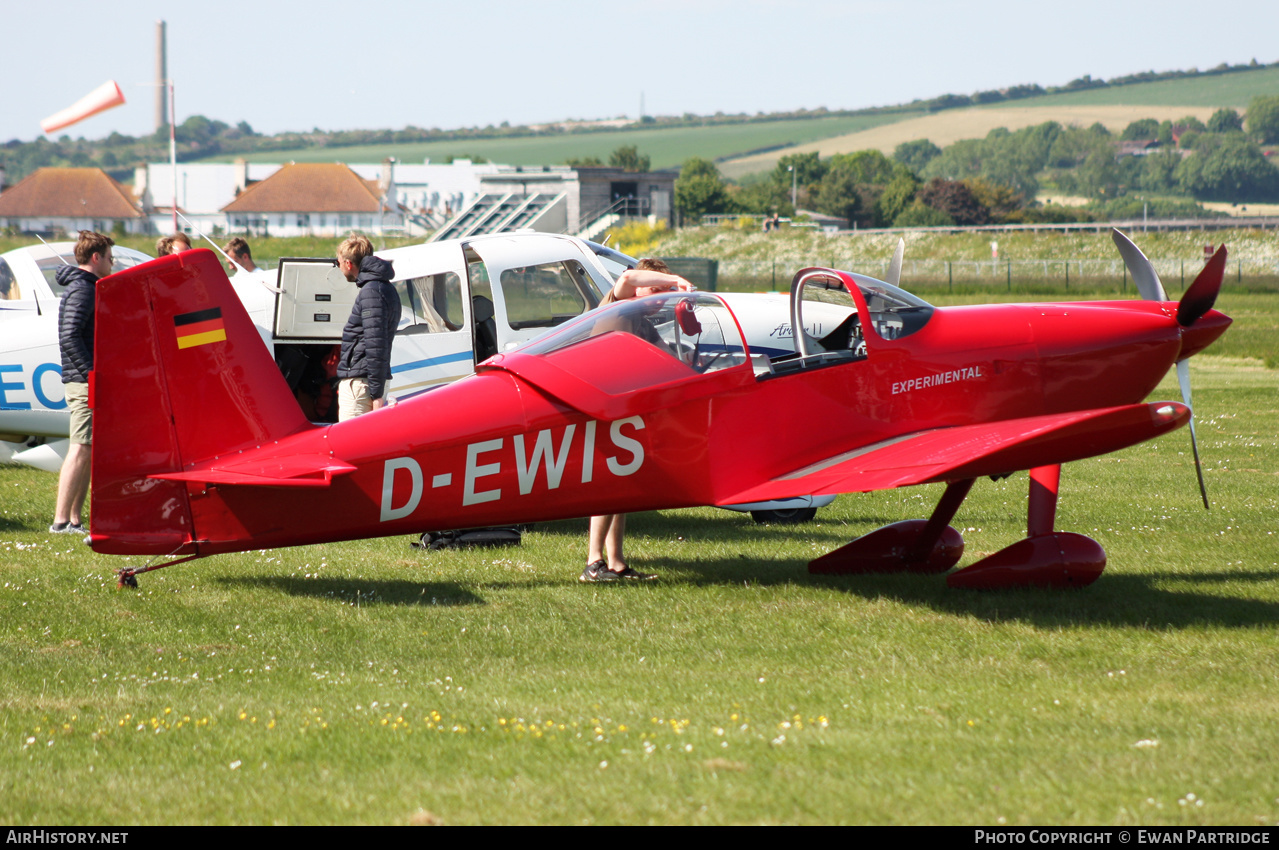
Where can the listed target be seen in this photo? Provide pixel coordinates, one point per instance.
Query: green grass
(1236, 89)
(666, 147)
(368, 683)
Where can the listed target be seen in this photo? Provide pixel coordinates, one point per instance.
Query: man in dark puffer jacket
(365, 364)
(75, 340)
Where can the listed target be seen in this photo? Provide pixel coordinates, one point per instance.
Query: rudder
(180, 375)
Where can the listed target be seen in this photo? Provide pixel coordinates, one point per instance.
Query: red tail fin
(180, 375)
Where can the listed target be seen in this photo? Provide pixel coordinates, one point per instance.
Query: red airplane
(648, 404)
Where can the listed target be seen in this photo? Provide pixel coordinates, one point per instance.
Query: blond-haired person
(174, 244)
(364, 367)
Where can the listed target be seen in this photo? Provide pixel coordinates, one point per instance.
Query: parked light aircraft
(463, 301)
(33, 418)
(654, 403)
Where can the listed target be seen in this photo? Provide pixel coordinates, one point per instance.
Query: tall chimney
(161, 78)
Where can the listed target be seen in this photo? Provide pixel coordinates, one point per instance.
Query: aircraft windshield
(695, 328)
(894, 312)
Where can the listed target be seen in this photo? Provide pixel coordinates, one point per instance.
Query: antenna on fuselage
(36, 295)
(216, 246)
(54, 250)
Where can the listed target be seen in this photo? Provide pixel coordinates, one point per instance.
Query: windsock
(102, 98)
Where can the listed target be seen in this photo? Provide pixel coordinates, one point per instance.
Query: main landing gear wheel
(1045, 558)
(788, 516)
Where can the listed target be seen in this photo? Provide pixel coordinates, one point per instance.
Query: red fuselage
(603, 426)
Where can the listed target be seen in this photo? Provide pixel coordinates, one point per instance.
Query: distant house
(315, 199)
(428, 194)
(67, 200)
(1138, 147)
(203, 189)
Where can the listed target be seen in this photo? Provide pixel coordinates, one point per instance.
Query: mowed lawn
(370, 683)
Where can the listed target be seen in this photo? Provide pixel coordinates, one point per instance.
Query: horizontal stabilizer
(295, 471)
(971, 451)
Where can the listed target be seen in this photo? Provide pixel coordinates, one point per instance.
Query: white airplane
(463, 301)
(28, 281)
(33, 411)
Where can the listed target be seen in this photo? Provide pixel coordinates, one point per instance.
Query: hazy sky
(375, 64)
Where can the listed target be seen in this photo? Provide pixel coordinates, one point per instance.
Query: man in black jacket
(364, 367)
(75, 341)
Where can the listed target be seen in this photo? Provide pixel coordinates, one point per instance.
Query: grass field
(368, 683)
(1114, 107)
(947, 127)
(665, 147)
(1236, 90)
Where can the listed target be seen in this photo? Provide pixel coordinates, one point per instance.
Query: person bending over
(604, 560)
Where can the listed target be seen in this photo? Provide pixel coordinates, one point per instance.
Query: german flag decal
(200, 328)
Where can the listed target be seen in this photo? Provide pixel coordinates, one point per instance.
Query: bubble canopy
(695, 328)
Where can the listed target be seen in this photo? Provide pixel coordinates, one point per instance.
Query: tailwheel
(1046, 558)
(911, 546)
(126, 578)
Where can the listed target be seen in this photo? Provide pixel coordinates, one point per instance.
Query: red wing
(971, 451)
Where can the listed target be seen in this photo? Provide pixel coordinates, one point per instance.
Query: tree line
(1166, 166)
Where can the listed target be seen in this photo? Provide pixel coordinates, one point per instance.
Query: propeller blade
(1202, 294)
(1183, 379)
(1143, 273)
(895, 267)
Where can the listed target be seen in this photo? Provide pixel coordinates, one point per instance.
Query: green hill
(1234, 89)
(748, 141)
(666, 147)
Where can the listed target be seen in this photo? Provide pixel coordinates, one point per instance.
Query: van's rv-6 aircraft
(655, 403)
(463, 300)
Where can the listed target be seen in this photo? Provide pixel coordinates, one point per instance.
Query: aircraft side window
(542, 296)
(432, 303)
(402, 289)
(9, 289)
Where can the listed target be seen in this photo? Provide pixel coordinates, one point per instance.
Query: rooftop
(309, 187)
(68, 193)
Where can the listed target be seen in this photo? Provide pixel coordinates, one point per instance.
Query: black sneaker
(598, 571)
(634, 575)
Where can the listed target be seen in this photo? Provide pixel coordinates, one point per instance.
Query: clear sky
(375, 64)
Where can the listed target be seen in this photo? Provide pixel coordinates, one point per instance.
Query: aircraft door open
(826, 317)
(314, 300)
